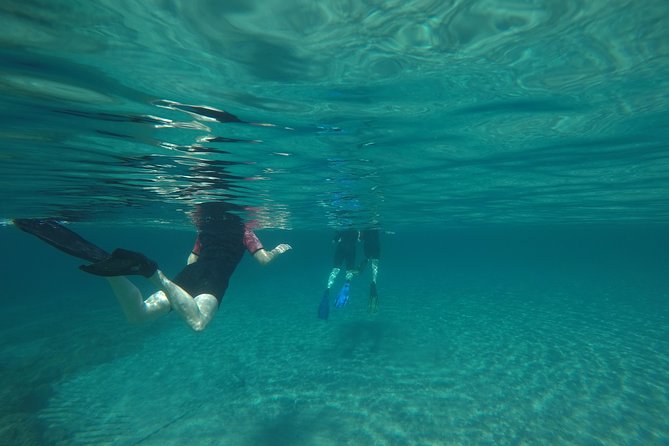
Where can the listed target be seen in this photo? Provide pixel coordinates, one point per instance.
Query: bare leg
(333, 277)
(137, 310)
(373, 295)
(375, 269)
(197, 312)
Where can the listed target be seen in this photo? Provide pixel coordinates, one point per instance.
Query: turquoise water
(514, 154)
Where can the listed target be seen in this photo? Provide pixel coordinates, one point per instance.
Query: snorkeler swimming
(195, 293)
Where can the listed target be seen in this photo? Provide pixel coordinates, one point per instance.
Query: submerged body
(344, 257)
(195, 293)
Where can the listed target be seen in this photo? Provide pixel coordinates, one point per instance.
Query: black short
(344, 255)
(371, 245)
(203, 276)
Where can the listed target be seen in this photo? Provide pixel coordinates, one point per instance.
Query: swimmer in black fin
(196, 292)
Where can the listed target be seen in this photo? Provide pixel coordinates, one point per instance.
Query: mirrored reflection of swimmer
(344, 256)
(195, 293)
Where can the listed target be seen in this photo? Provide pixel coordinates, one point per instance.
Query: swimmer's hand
(283, 247)
(264, 257)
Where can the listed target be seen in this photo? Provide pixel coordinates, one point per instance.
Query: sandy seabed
(463, 366)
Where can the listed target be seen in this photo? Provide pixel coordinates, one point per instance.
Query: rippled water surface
(335, 112)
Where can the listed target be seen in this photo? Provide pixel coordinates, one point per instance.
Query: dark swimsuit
(345, 249)
(371, 245)
(220, 245)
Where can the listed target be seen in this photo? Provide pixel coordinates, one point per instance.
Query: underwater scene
(297, 223)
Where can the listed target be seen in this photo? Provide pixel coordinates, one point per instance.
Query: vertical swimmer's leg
(373, 294)
(375, 269)
(344, 293)
(333, 277)
(324, 305)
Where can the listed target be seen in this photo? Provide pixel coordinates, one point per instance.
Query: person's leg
(324, 306)
(375, 269)
(345, 292)
(349, 263)
(197, 312)
(338, 261)
(372, 249)
(135, 309)
(333, 276)
(373, 303)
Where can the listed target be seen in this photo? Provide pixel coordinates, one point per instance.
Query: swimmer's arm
(192, 258)
(264, 257)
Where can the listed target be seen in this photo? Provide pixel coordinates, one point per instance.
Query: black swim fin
(61, 238)
(122, 263)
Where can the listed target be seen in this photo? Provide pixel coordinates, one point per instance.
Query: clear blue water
(513, 152)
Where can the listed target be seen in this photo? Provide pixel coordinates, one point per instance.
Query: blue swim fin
(342, 297)
(324, 306)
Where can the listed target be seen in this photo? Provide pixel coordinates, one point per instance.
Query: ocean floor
(466, 362)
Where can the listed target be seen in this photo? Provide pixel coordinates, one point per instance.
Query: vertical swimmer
(372, 250)
(344, 256)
